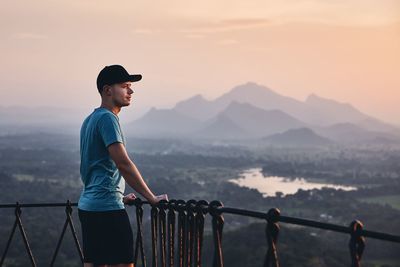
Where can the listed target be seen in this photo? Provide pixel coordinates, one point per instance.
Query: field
(391, 200)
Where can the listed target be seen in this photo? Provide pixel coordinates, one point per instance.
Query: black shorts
(107, 236)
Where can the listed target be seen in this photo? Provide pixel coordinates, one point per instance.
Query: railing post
(18, 223)
(68, 220)
(9, 241)
(171, 232)
(199, 229)
(24, 237)
(154, 224)
(181, 231)
(68, 210)
(217, 225)
(162, 224)
(272, 231)
(139, 234)
(190, 219)
(356, 243)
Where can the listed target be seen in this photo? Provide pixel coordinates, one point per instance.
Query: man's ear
(107, 90)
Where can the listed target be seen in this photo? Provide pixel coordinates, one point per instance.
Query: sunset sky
(52, 51)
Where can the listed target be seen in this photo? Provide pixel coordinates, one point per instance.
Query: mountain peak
(249, 92)
(250, 87)
(152, 110)
(250, 83)
(194, 107)
(314, 99)
(196, 99)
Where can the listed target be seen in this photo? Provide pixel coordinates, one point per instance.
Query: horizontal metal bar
(381, 236)
(37, 205)
(314, 224)
(243, 212)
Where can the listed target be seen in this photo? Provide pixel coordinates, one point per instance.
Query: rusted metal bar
(356, 243)
(59, 243)
(18, 222)
(190, 219)
(181, 231)
(171, 232)
(36, 205)
(201, 210)
(162, 226)
(68, 221)
(24, 237)
(68, 211)
(8, 242)
(154, 224)
(139, 234)
(380, 236)
(272, 231)
(217, 226)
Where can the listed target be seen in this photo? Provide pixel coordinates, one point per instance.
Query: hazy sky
(348, 50)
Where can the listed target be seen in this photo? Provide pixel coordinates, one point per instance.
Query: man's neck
(113, 109)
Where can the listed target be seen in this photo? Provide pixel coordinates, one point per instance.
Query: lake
(269, 185)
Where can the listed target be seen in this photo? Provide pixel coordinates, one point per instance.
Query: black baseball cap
(112, 74)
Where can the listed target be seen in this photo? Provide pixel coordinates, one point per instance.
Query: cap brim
(135, 77)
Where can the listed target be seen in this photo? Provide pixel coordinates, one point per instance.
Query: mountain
(221, 127)
(197, 107)
(298, 137)
(328, 112)
(331, 112)
(259, 122)
(261, 97)
(163, 123)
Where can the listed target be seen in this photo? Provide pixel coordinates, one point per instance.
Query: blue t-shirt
(103, 187)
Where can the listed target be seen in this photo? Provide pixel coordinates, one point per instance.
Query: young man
(106, 231)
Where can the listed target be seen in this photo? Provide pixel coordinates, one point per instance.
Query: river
(269, 185)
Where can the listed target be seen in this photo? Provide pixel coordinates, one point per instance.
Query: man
(106, 231)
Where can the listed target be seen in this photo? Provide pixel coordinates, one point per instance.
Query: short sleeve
(109, 129)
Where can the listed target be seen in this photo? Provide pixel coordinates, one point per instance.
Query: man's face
(121, 94)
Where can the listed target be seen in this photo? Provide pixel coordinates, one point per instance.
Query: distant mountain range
(315, 110)
(247, 112)
(252, 111)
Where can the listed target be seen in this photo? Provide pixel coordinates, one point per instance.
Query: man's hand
(161, 197)
(158, 198)
(129, 198)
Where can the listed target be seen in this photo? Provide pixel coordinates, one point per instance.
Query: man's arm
(129, 171)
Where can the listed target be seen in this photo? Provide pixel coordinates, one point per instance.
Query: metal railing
(190, 216)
